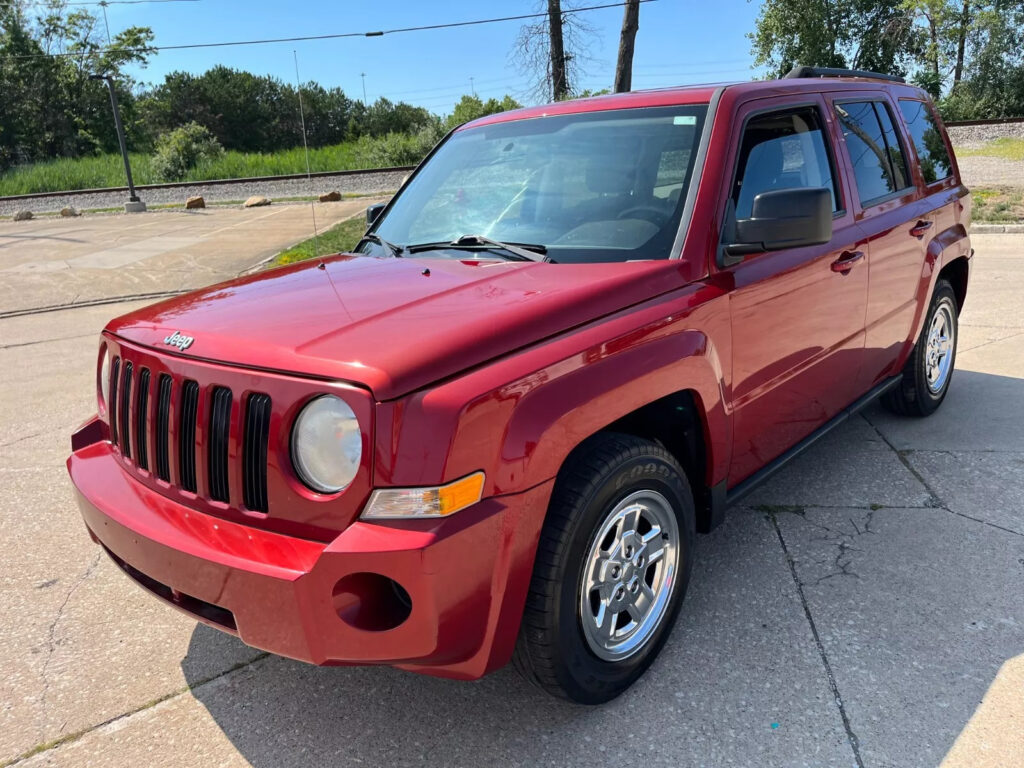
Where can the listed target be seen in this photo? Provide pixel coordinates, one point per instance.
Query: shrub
(395, 149)
(184, 149)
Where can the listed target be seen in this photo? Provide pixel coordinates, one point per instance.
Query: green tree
(50, 107)
(860, 34)
(472, 107)
(991, 82)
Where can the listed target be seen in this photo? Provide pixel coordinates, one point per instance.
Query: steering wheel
(646, 212)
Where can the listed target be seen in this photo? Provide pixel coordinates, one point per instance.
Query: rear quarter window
(924, 132)
(879, 164)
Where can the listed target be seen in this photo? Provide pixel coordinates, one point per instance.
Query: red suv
(575, 335)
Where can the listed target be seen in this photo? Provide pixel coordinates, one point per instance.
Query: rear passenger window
(879, 163)
(924, 132)
(782, 150)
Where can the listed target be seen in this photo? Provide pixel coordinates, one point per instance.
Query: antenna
(305, 144)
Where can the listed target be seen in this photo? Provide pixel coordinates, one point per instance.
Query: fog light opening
(371, 602)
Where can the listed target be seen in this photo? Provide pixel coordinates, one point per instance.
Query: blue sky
(678, 42)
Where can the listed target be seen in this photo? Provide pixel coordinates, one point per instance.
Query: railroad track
(994, 121)
(370, 172)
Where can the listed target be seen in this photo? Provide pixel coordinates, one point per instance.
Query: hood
(392, 325)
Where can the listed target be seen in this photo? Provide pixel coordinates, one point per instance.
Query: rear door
(797, 314)
(887, 206)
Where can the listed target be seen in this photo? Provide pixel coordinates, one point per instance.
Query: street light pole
(133, 205)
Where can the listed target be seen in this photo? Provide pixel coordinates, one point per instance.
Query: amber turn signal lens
(436, 501)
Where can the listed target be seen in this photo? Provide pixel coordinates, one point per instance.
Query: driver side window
(782, 150)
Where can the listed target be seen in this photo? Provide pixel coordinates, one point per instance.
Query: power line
(129, 2)
(337, 36)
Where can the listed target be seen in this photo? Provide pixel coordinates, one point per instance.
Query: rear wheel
(929, 369)
(612, 567)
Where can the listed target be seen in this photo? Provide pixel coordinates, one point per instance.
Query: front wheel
(612, 568)
(929, 368)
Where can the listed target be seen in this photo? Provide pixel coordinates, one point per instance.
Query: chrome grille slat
(142, 420)
(187, 436)
(255, 443)
(124, 418)
(163, 424)
(220, 428)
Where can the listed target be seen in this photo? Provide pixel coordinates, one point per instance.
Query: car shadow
(740, 662)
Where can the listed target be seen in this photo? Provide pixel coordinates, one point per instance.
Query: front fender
(519, 417)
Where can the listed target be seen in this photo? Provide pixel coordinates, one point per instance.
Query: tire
(616, 487)
(918, 394)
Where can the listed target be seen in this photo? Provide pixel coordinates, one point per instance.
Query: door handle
(920, 228)
(846, 261)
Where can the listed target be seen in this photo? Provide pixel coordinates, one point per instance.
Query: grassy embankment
(1001, 204)
(108, 170)
(1006, 148)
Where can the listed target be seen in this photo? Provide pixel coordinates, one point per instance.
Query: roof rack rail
(805, 71)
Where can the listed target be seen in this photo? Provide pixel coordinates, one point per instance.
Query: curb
(997, 229)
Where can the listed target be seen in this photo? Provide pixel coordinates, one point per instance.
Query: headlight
(438, 501)
(104, 378)
(327, 445)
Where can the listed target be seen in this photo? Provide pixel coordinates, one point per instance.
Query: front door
(797, 314)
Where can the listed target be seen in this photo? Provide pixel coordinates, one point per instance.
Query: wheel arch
(957, 273)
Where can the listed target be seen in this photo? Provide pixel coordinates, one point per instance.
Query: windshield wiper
(373, 237)
(518, 251)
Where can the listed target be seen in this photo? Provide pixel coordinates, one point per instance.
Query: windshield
(598, 186)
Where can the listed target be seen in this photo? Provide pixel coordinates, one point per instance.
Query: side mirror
(782, 218)
(373, 211)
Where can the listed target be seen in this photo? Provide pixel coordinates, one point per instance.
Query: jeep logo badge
(179, 341)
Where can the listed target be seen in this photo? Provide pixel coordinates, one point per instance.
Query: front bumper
(466, 576)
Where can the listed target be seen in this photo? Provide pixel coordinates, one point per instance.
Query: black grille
(155, 426)
(187, 436)
(254, 452)
(115, 367)
(141, 420)
(220, 426)
(163, 423)
(123, 418)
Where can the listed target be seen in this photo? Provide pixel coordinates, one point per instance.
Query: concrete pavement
(48, 262)
(865, 608)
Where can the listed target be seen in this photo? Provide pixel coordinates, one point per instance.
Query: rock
(255, 201)
(69, 212)
(330, 197)
(196, 201)
(22, 215)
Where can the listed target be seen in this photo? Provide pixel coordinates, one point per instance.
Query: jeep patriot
(575, 335)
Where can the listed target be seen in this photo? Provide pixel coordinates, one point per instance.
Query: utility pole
(559, 82)
(134, 205)
(103, 4)
(363, 75)
(624, 66)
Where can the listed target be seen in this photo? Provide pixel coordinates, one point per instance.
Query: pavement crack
(51, 632)
(73, 737)
(990, 341)
(933, 497)
(934, 502)
(850, 735)
(46, 341)
(22, 439)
